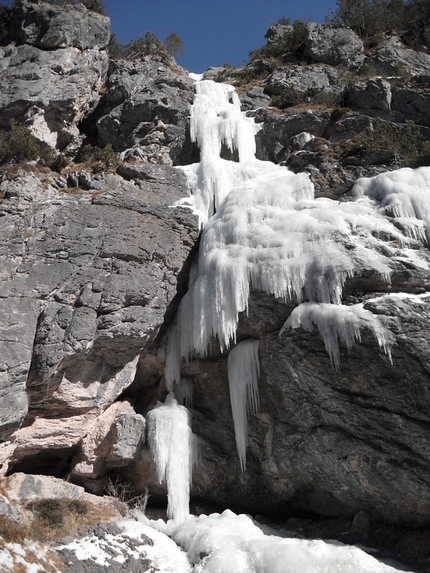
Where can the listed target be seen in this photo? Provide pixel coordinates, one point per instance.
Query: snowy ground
(217, 543)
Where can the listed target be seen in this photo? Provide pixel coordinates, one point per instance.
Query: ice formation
(405, 194)
(263, 229)
(268, 233)
(243, 373)
(338, 322)
(170, 439)
(223, 543)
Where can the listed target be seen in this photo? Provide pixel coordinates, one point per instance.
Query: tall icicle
(243, 373)
(170, 439)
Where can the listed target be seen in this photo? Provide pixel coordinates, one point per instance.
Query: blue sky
(214, 31)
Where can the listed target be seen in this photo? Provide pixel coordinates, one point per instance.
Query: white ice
(405, 194)
(243, 372)
(339, 323)
(227, 543)
(268, 232)
(170, 439)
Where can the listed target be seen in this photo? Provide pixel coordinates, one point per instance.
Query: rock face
(148, 105)
(52, 91)
(49, 27)
(333, 443)
(333, 45)
(93, 265)
(91, 277)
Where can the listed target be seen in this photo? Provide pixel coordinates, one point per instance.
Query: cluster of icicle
(263, 229)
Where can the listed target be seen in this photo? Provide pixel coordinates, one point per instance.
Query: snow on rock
(29, 558)
(339, 323)
(405, 194)
(170, 439)
(223, 543)
(243, 374)
(125, 546)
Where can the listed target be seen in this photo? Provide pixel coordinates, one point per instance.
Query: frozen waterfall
(264, 229)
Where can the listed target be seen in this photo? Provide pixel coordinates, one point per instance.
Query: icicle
(170, 439)
(243, 374)
(337, 322)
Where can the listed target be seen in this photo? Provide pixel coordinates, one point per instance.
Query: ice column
(243, 373)
(170, 439)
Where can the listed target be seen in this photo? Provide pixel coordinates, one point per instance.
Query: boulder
(254, 98)
(411, 104)
(115, 440)
(276, 32)
(334, 45)
(274, 138)
(26, 487)
(9, 510)
(390, 101)
(373, 94)
(50, 27)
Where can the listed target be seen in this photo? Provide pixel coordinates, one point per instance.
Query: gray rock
(9, 510)
(278, 129)
(373, 94)
(349, 126)
(392, 57)
(411, 104)
(254, 98)
(120, 551)
(360, 425)
(51, 91)
(378, 97)
(276, 32)
(334, 45)
(50, 27)
(128, 435)
(150, 106)
(304, 78)
(87, 283)
(23, 488)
